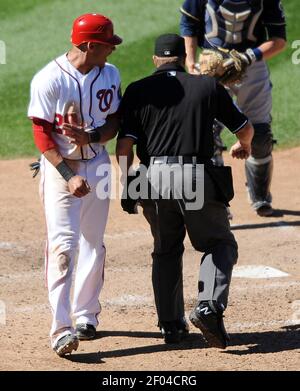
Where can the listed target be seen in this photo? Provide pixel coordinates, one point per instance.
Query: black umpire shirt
(171, 113)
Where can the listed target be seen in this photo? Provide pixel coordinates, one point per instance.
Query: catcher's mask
(94, 28)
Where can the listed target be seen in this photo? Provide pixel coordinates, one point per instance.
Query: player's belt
(178, 159)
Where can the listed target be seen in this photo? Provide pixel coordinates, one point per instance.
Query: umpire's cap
(94, 28)
(169, 45)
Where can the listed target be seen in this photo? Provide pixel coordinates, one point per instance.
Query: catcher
(237, 37)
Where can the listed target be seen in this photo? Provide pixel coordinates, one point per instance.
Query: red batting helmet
(94, 28)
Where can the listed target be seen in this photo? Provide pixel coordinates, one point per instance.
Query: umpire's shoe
(85, 331)
(208, 317)
(174, 331)
(66, 344)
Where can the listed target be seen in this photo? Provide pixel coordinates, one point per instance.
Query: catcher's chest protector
(232, 21)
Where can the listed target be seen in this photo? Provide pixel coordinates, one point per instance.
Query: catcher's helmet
(94, 28)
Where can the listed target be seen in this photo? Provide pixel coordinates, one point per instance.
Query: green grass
(36, 31)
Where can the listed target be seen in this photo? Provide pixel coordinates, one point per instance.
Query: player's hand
(192, 67)
(78, 186)
(76, 134)
(240, 151)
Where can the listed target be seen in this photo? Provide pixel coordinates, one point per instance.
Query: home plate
(257, 271)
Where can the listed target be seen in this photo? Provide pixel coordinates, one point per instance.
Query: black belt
(178, 159)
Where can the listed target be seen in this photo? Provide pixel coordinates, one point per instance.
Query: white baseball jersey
(95, 95)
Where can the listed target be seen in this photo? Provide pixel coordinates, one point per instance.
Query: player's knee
(63, 262)
(262, 143)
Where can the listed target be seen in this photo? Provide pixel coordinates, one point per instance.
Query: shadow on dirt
(275, 224)
(193, 341)
(287, 338)
(285, 212)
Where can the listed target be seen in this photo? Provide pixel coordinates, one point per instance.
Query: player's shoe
(265, 210)
(174, 331)
(66, 344)
(208, 317)
(262, 208)
(85, 331)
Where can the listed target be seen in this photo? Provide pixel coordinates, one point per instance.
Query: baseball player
(73, 108)
(257, 29)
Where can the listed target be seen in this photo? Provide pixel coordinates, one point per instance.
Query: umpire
(169, 116)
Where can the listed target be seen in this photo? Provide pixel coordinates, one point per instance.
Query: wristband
(65, 171)
(258, 54)
(254, 54)
(94, 136)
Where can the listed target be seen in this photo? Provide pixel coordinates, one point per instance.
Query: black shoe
(85, 331)
(169, 332)
(265, 210)
(208, 317)
(174, 331)
(182, 327)
(66, 344)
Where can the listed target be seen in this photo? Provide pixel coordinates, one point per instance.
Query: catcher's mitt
(228, 66)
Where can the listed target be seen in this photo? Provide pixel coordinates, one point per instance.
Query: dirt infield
(263, 317)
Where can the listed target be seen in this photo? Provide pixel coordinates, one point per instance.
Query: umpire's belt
(178, 159)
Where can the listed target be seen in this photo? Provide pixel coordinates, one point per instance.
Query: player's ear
(154, 59)
(91, 46)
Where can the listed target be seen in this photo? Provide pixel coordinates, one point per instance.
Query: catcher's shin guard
(259, 167)
(259, 175)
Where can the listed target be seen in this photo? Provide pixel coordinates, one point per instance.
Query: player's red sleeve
(42, 130)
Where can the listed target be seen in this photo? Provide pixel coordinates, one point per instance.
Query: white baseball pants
(74, 224)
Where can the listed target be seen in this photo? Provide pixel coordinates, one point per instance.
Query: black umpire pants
(209, 231)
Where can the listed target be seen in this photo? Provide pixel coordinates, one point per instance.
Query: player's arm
(42, 129)
(191, 44)
(274, 21)
(102, 134)
(272, 47)
(231, 116)
(192, 30)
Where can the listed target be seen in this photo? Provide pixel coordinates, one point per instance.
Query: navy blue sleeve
(192, 19)
(274, 19)
(227, 111)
